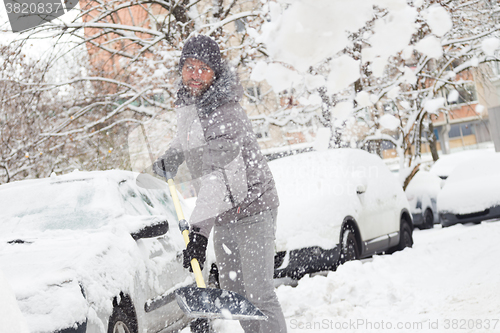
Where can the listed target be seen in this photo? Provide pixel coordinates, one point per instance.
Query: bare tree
(131, 51)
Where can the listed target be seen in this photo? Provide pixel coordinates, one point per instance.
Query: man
(236, 195)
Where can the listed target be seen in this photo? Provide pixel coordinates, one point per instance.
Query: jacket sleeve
(174, 155)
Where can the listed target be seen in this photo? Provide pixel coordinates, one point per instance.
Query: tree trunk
(432, 141)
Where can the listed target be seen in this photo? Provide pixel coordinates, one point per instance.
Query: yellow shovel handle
(195, 265)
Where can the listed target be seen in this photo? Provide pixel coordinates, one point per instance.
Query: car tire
(119, 322)
(428, 218)
(405, 236)
(349, 245)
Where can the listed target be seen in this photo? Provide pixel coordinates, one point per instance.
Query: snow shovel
(203, 302)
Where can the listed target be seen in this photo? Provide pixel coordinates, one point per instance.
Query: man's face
(196, 76)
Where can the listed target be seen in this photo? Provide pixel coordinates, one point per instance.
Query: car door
(156, 306)
(376, 191)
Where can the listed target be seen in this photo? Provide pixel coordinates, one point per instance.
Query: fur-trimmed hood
(225, 89)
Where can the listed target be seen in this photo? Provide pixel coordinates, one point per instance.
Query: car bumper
(448, 219)
(296, 263)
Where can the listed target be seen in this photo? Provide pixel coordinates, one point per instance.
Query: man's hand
(196, 248)
(168, 162)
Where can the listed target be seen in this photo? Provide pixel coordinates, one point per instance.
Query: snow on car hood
(50, 273)
(317, 190)
(472, 187)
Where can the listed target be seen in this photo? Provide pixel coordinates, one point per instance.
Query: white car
(336, 205)
(472, 192)
(93, 252)
(422, 192)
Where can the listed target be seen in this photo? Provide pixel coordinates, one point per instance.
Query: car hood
(59, 276)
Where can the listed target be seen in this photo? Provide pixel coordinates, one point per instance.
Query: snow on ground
(448, 282)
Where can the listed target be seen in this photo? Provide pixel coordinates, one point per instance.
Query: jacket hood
(225, 89)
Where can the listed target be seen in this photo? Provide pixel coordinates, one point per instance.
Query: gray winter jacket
(219, 146)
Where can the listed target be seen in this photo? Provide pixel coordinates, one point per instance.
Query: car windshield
(52, 205)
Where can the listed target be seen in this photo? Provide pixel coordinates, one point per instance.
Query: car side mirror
(150, 231)
(360, 189)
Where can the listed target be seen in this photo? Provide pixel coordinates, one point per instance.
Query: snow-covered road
(448, 282)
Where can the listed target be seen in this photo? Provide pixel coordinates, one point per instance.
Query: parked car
(422, 192)
(93, 252)
(445, 165)
(336, 205)
(471, 193)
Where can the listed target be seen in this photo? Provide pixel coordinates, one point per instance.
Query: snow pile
(344, 71)
(490, 46)
(446, 280)
(438, 20)
(472, 187)
(308, 32)
(430, 46)
(389, 122)
(278, 76)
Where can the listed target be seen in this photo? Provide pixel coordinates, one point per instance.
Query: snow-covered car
(336, 205)
(93, 252)
(445, 165)
(472, 192)
(422, 192)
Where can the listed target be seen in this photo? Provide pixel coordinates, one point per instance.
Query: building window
(460, 130)
(262, 132)
(466, 94)
(240, 24)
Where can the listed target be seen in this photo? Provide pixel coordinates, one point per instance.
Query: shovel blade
(216, 304)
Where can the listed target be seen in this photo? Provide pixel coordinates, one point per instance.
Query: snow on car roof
(424, 182)
(473, 186)
(78, 200)
(444, 166)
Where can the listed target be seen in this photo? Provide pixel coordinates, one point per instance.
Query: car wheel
(349, 249)
(428, 219)
(405, 238)
(119, 322)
